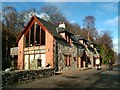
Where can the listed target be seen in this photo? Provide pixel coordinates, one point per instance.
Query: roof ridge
(45, 21)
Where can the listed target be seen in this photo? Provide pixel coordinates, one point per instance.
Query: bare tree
(105, 39)
(76, 28)
(54, 13)
(89, 29)
(10, 28)
(26, 15)
(89, 22)
(9, 17)
(56, 17)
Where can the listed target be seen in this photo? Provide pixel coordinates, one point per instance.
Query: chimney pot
(62, 24)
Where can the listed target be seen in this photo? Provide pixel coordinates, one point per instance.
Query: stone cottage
(43, 44)
(90, 53)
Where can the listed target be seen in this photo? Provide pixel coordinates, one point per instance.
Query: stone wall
(66, 49)
(90, 55)
(18, 75)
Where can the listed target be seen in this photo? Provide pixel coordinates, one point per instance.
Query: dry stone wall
(17, 76)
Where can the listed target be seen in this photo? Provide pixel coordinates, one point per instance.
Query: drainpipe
(78, 58)
(56, 56)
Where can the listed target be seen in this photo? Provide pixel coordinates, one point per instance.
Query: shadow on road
(107, 80)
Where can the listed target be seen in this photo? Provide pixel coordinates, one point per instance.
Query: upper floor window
(35, 36)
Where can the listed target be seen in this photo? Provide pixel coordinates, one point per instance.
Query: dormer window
(67, 38)
(64, 32)
(81, 41)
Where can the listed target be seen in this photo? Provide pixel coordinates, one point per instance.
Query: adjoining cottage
(42, 44)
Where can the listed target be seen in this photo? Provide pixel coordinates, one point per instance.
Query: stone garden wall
(11, 77)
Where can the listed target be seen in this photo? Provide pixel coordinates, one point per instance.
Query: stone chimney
(62, 24)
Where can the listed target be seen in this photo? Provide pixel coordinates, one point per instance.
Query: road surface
(90, 78)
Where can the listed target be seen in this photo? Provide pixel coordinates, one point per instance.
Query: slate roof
(88, 42)
(54, 30)
(51, 28)
(80, 37)
(74, 39)
(91, 48)
(60, 30)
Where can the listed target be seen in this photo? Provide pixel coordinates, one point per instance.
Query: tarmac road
(90, 78)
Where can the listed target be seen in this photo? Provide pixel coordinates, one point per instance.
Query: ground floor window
(39, 63)
(34, 59)
(67, 59)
